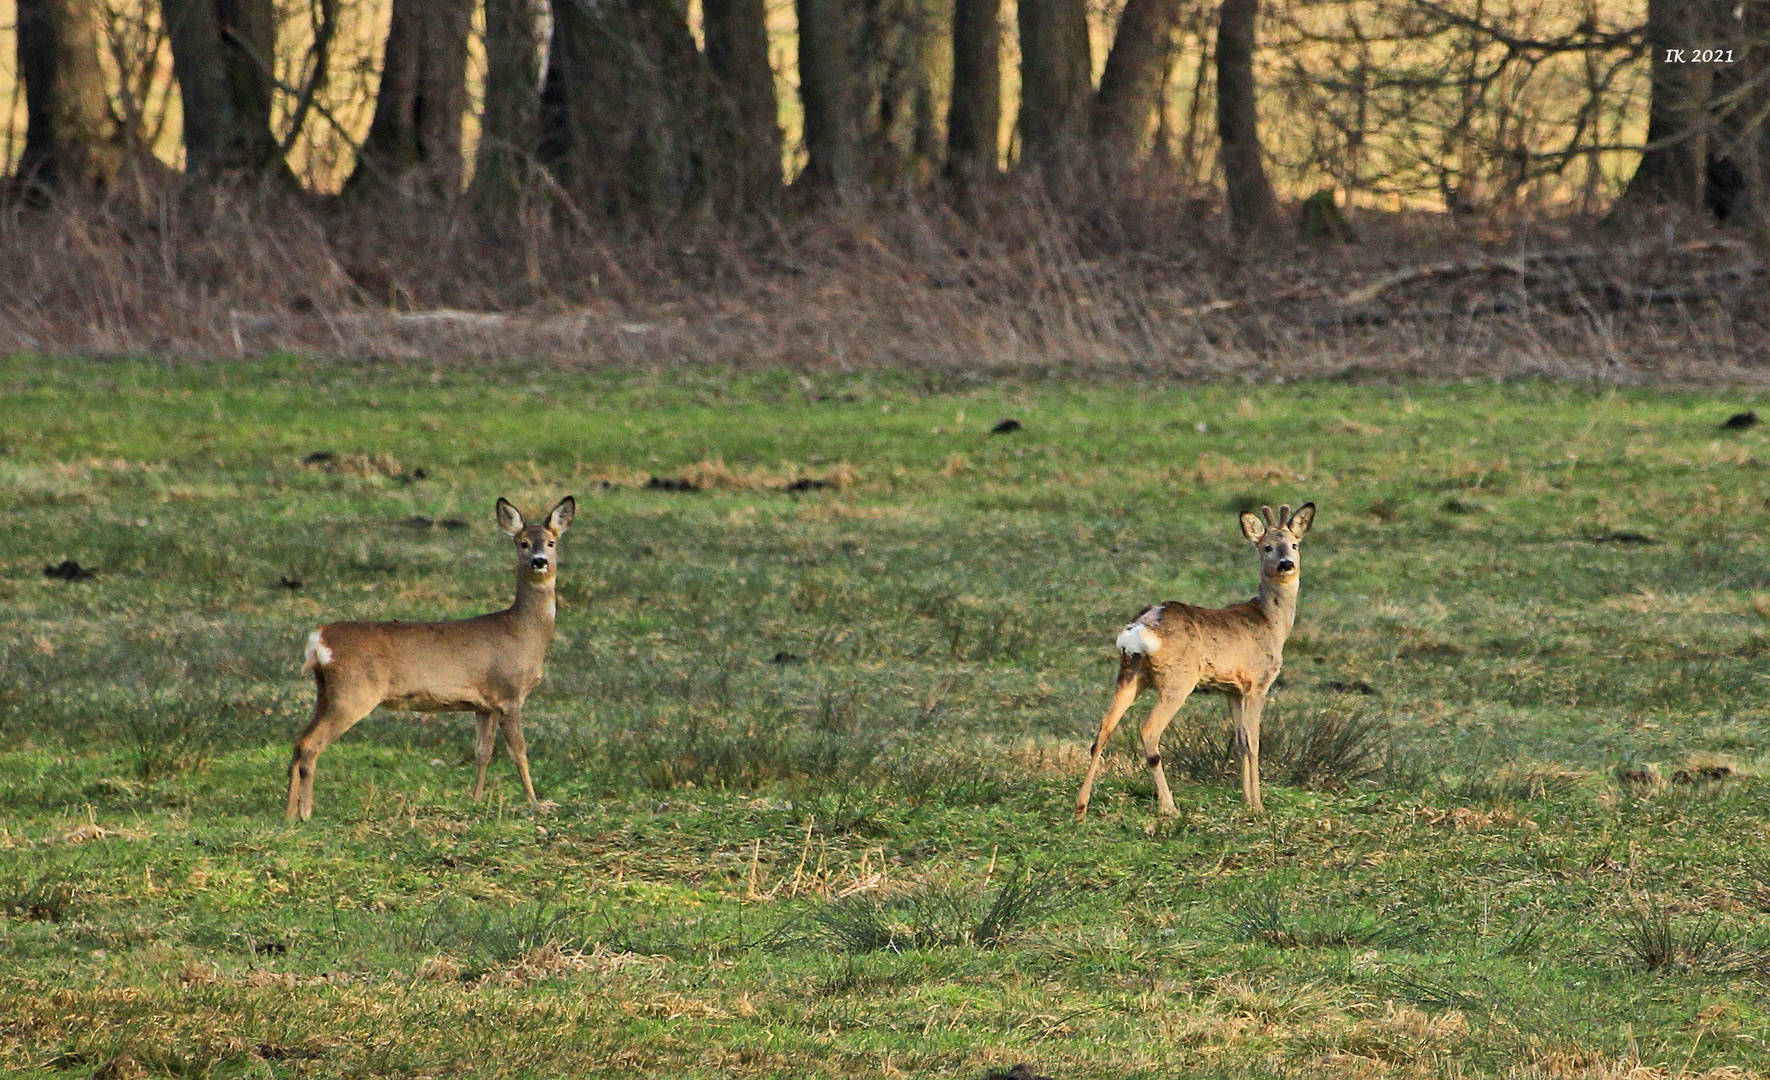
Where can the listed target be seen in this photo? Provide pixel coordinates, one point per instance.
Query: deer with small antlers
(486, 665)
(1238, 649)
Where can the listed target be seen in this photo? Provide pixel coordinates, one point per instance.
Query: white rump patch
(318, 653)
(1139, 637)
(1139, 640)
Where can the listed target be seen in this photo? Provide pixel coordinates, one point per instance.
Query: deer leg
(483, 744)
(333, 715)
(511, 722)
(1131, 682)
(1244, 717)
(1159, 718)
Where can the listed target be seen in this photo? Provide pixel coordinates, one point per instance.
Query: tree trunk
(1755, 64)
(510, 119)
(895, 53)
(737, 53)
(413, 148)
(224, 56)
(1673, 165)
(631, 118)
(1056, 84)
(829, 95)
(1252, 206)
(974, 120)
(1736, 184)
(866, 80)
(68, 134)
(1131, 85)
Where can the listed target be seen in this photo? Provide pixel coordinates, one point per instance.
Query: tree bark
(1131, 85)
(1672, 167)
(413, 148)
(737, 53)
(974, 119)
(1056, 85)
(224, 56)
(829, 95)
(510, 119)
(895, 79)
(631, 118)
(1252, 205)
(69, 141)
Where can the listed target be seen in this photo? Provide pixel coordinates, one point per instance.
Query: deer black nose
(1285, 566)
(538, 562)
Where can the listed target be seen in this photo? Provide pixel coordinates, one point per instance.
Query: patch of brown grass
(1021, 285)
(1572, 1064)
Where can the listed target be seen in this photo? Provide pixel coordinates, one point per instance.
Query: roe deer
(1236, 649)
(486, 665)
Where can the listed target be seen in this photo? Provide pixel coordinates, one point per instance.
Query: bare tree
(413, 148)
(630, 113)
(68, 136)
(829, 95)
(224, 55)
(1673, 165)
(510, 120)
(1130, 87)
(866, 82)
(1252, 206)
(974, 119)
(1056, 84)
(895, 64)
(737, 52)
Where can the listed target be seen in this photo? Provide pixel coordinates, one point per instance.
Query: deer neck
(1279, 601)
(535, 606)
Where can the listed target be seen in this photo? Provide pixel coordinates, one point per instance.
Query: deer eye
(1268, 547)
(525, 543)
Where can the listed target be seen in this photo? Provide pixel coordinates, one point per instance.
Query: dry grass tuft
(1469, 819)
(385, 466)
(439, 969)
(197, 973)
(552, 960)
(1569, 1064)
(713, 474)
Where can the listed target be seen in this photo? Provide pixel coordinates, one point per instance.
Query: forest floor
(830, 655)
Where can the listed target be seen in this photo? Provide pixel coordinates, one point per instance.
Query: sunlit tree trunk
(829, 94)
(1673, 166)
(895, 59)
(224, 56)
(974, 119)
(510, 121)
(69, 139)
(413, 148)
(1131, 85)
(1056, 85)
(737, 53)
(633, 123)
(1252, 206)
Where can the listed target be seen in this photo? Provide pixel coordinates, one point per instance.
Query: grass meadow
(811, 733)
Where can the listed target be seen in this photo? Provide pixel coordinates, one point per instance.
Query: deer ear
(1302, 519)
(1252, 528)
(509, 517)
(561, 518)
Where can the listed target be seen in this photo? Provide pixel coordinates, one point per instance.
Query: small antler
(1284, 516)
(1266, 512)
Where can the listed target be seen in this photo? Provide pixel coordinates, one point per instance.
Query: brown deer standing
(486, 665)
(1237, 649)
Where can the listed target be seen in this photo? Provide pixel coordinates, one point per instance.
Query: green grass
(813, 753)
